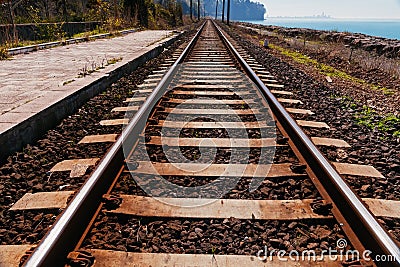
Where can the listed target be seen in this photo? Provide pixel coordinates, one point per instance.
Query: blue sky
(336, 8)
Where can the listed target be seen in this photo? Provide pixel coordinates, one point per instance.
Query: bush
(50, 32)
(3, 53)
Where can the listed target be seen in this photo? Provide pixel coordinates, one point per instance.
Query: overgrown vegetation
(3, 53)
(326, 69)
(48, 16)
(369, 117)
(95, 65)
(388, 123)
(97, 30)
(367, 60)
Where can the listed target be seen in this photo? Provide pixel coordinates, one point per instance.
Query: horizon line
(331, 17)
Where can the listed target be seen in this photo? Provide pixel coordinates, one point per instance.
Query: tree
(223, 10)
(191, 9)
(216, 9)
(228, 12)
(139, 10)
(239, 9)
(12, 5)
(64, 10)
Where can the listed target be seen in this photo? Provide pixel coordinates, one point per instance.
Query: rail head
(369, 231)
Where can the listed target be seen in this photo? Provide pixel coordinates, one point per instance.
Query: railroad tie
(77, 167)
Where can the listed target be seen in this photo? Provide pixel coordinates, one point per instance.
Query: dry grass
(368, 61)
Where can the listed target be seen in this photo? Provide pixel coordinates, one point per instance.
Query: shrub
(49, 32)
(3, 53)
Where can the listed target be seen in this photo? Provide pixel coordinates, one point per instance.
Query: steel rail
(69, 227)
(364, 224)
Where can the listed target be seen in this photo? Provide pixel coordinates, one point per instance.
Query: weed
(93, 65)
(387, 123)
(347, 102)
(370, 118)
(83, 72)
(366, 117)
(98, 30)
(68, 82)
(3, 53)
(113, 60)
(384, 90)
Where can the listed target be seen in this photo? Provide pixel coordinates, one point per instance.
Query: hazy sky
(334, 8)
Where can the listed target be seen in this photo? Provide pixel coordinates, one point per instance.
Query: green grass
(89, 33)
(388, 123)
(328, 70)
(370, 118)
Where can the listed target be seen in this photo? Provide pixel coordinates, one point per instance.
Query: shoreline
(370, 27)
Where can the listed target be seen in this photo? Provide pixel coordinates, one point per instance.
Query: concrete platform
(37, 90)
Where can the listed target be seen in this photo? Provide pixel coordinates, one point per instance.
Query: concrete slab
(4, 126)
(44, 86)
(4, 108)
(14, 117)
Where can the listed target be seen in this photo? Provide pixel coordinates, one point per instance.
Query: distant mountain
(240, 9)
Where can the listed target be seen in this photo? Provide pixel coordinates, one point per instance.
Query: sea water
(381, 28)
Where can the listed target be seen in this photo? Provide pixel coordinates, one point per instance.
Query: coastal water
(382, 28)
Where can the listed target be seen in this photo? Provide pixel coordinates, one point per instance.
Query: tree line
(113, 14)
(118, 14)
(239, 9)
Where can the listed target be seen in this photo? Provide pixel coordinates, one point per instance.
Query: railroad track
(203, 139)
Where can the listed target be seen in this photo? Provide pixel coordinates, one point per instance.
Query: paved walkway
(32, 82)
